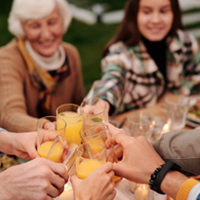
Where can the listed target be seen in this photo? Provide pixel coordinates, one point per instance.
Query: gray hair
(23, 10)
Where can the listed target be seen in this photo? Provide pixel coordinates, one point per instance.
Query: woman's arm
(13, 108)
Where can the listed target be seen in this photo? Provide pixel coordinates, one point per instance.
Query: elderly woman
(38, 71)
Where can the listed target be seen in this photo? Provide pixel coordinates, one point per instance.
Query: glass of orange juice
(87, 160)
(94, 112)
(98, 135)
(47, 130)
(67, 147)
(74, 120)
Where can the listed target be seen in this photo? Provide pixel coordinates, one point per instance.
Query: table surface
(122, 189)
(158, 109)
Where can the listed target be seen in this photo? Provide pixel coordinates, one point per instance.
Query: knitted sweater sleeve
(187, 192)
(14, 116)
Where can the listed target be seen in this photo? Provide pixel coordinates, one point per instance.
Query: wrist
(3, 188)
(159, 174)
(6, 140)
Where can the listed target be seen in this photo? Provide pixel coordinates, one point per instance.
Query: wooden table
(160, 107)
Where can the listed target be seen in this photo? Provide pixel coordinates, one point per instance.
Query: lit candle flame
(166, 127)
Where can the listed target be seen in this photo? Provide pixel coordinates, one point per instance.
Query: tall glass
(88, 160)
(68, 151)
(74, 120)
(46, 135)
(94, 112)
(140, 123)
(177, 108)
(98, 135)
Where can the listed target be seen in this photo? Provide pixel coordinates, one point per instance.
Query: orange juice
(74, 124)
(93, 147)
(85, 168)
(56, 152)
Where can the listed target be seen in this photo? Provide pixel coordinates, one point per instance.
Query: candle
(67, 193)
(141, 192)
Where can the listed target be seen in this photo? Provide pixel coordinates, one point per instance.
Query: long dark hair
(128, 31)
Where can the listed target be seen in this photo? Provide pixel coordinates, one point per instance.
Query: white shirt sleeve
(194, 193)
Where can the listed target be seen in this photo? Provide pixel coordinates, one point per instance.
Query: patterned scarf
(45, 82)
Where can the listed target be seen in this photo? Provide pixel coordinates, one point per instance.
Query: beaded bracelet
(159, 174)
(153, 177)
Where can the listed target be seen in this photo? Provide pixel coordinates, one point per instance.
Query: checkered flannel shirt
(131, 78)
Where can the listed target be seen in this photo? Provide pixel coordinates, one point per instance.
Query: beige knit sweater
(19, 99)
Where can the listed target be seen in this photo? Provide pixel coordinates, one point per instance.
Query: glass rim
(46, 117)
(138, 123)
(69, 104)
(95, 134)
(89, 100)
(81, 145)
(175, 103)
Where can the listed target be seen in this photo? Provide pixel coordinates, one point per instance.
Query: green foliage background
(89, 40)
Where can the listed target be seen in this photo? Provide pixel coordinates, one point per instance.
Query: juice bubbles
(85, 168)
(56, 152)
(74, 124)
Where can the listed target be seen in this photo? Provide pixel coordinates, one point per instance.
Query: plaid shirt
(131, 78)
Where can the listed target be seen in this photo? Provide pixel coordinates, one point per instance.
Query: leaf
(97, 119)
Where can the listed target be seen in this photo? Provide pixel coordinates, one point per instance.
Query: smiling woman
(151, 55)
(38, 71)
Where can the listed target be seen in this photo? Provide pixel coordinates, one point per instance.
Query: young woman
(150, 55)
(38, 72)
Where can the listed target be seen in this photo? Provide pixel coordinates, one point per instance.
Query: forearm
(181, 147)
(4, 194)
(172, 182)
(6, 142)
(19, 122)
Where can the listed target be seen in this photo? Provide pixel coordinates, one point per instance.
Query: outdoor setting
(99, 100)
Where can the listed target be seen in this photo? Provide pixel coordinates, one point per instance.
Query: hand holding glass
(99, 134)
(94, 112)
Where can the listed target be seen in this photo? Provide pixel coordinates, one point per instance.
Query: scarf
(46, 82)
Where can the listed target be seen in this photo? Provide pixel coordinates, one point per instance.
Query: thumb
(74, 180)
(32, 153)
(118, 168)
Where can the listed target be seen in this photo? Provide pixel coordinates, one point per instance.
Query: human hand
(37, 179)
(98, 185)
(96, 108)
(24, 144)
(139, 158)
(114, 131)
(50, 126)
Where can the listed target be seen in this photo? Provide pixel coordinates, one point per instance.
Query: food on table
(194, 110)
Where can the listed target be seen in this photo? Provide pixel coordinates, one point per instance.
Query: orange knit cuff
(186, 188)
